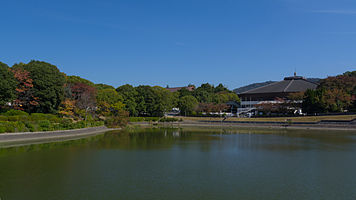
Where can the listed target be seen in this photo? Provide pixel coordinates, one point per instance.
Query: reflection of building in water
(176, 134)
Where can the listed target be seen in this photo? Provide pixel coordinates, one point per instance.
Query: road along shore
(26, 138)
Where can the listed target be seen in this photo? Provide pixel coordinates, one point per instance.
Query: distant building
(176, 111)
(175, 89)
(274, 92)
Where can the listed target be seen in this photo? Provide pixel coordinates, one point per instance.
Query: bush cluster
(116, 121)
(144, 119)
(19, 121)
(169, 119)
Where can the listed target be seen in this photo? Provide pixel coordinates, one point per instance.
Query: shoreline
(325, 127)
(28, 138)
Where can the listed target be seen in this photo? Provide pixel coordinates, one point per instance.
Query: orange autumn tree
(67, 108)
(25, 98)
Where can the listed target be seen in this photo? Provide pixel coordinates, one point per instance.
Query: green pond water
(185, 164)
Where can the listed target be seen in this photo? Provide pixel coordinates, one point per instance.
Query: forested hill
(256, 85)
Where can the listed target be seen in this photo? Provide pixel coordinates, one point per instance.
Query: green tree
(187, 105)
(7, 85)
(102, 86)
(313, 101)
(77, 79)
(165, 100)
(220, 88)
(226, 96)
(147, 101)
(183, 92)
(129, 93)
(108, 100)
(205, 93)
(109, 96)
(48, 84)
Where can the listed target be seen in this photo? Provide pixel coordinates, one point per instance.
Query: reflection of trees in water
(77, 143)
(155, 138)
(145, 138)
(203, 139)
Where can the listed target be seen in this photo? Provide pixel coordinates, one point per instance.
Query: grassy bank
(17, 121)
(155, 119)
(276, 119)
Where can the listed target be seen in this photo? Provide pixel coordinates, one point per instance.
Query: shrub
(13, 112)
(7, 127)
(20, 127)
(137, 119)
(42, 116)
(44, 125)
(66, 123)
(3, 118)
(13, 118)
(2, 129)
(99, 123)
(143, 119)
(30, 126)
(166, 119)
(77, 125)
(19, 121)
(116, 121)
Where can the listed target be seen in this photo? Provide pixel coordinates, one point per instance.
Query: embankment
(18, 139)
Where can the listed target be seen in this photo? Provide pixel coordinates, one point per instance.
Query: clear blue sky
(177, 42)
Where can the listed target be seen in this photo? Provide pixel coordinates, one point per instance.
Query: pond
(189, 163)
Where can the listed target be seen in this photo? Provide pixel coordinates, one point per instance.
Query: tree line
(40, 87)
(334, 94)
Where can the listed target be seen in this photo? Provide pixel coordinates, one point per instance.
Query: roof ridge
(260, 87)
(290, 83)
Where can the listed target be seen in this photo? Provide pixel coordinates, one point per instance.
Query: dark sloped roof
(289, 84)
(175, 89)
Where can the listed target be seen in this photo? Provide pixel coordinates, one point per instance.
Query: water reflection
(188, 163)
(160, 138)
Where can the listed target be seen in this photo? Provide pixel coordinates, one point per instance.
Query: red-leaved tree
(84, 96)
(25, 98)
